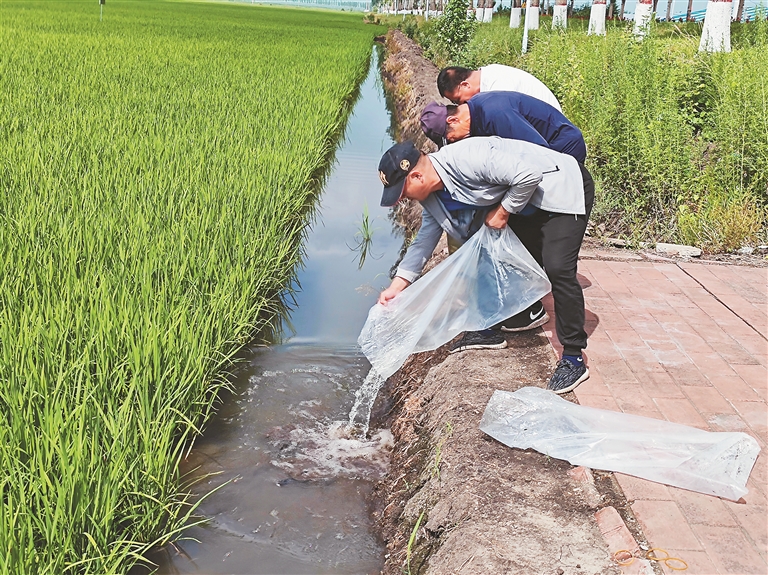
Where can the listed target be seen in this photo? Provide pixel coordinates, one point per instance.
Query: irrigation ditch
(289, 484)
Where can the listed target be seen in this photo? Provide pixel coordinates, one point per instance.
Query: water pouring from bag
(488, 279)
(364, 398)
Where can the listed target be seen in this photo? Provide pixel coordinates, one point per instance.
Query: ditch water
(293, 481)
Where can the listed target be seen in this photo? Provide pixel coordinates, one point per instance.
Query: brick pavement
(685, 342)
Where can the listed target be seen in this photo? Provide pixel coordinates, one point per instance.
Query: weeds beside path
(677, 140)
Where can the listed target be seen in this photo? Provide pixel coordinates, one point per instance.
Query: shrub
(452, 32)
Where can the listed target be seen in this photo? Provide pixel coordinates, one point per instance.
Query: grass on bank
(156, 169)
(677, 140)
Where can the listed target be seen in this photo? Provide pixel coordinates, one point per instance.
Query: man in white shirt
(459, 84)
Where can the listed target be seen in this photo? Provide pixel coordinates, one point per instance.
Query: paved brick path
(685, 342)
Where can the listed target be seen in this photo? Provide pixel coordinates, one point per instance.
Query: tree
(514, 15)
(643, 12)
(740, 12)
(455, 28)
(716, 34)
(560, 14)
(597, 18)
(532, 21)
(480, 11)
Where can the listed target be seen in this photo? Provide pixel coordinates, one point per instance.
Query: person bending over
(516, 116)
(506, 114)
(496, 179)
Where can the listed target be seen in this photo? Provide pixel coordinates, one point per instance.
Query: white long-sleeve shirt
(483, 171)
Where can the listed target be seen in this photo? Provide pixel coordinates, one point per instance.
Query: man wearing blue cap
(497, 179)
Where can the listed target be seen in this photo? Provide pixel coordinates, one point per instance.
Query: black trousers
(554, 241)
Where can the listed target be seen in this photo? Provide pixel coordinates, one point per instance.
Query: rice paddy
(156, 171)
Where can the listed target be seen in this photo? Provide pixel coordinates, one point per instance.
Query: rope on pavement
(625, 557)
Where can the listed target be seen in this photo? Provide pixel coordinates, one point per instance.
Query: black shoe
(487, 339)
(567, 376)
(530, 318)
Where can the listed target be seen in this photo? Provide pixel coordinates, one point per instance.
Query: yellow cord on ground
(628, 561)
(668, 559)
(651, 555)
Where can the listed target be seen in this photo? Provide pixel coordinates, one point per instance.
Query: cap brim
(439, 141)
(392, 194)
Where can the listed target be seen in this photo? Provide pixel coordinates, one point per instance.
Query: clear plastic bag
(490, 278)
(715, 463)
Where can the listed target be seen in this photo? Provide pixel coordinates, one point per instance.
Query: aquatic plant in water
(364, 240)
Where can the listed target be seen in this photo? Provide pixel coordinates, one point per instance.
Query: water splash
(332, 451)
(364, 398)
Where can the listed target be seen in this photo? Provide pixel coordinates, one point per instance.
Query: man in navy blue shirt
(508, 115)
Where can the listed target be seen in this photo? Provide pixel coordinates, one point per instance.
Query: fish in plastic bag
(490, 278)
(715, 463)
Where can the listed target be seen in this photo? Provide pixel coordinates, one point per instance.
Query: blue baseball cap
(394, 166)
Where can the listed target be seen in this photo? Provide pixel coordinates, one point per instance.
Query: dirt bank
(456, 501)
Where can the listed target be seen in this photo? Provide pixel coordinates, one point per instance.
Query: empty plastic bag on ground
(708, 462)
(490, 278)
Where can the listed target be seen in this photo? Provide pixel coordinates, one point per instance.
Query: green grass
(412, 542)
(156, 170)
(677, 140)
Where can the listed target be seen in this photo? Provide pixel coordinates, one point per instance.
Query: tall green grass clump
(156, 169)
(677, 140)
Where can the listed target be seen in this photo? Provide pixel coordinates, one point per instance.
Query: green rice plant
(157, 170)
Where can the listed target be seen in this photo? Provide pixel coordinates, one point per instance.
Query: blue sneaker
(567, 376)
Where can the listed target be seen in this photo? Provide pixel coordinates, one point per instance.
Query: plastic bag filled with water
(490, 278)
(715, 463)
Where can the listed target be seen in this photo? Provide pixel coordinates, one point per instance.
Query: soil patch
(481, 507)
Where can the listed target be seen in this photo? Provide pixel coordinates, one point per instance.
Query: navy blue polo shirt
(521, 117)
(450, 204)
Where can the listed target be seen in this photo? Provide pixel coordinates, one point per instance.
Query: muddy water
(292, 481)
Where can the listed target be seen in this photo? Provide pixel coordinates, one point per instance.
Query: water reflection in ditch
(296, 482)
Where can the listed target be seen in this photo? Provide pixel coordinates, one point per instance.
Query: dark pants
(554, 241)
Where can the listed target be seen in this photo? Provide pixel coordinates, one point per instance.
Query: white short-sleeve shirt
(497, 77)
